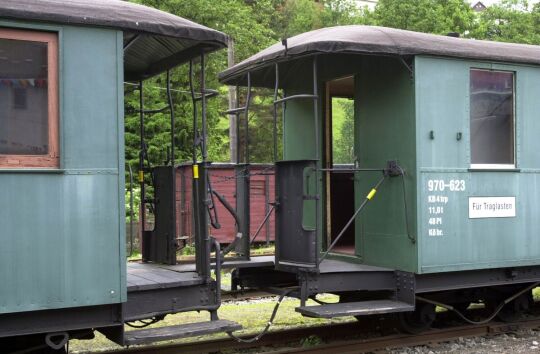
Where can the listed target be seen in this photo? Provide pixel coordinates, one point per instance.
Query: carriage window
(492, 118)
(28, 99)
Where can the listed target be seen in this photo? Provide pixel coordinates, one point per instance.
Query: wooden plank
(354, 308)
(180, 331)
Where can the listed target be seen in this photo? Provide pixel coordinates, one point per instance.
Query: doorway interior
(340, 161)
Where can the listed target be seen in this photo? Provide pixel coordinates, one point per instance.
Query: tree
(256, 24)
(298, 16)
(510, 21)
(432, 16)
(344, 144)
(249, 25)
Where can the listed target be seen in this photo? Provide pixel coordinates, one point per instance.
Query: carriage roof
(154, 40)
(356, 39)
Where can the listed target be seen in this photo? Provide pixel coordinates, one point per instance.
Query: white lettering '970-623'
(440, 185)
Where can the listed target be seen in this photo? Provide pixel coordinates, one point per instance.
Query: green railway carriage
(62, 232)
(434, 202)
(451, 123)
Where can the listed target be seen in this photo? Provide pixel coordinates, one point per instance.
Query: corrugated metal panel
(60, 232)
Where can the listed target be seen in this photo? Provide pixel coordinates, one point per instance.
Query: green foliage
(298, 16)
(433, 16)
(343, 149)
(136, 203)
(188, 250)
(510, 21)
(256, 24)
(311, 341)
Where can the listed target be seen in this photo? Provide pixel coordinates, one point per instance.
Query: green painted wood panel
(463, 243)
(385, 130)
(59, 241)
(90, 105)
(62, 232)
(299, 129)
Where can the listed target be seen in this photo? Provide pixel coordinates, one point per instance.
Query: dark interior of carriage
(340, 157)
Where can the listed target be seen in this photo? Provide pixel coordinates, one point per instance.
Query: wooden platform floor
(345, 249)
(259, 261)
(148, 276)
(340, 266)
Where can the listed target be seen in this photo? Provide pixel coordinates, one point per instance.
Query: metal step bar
(151, 335)
(360, 308)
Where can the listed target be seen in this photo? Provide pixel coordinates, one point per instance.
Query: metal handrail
(266, 218)
(368, 197)
(294, 97)
(236, 111)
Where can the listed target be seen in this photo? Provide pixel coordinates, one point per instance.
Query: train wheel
(419, 320)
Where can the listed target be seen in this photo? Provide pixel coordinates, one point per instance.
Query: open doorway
(340, 160)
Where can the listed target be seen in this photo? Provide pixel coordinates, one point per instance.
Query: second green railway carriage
(441, 186)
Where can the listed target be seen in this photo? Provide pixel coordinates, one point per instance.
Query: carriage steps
(361, 308)
(150, 335)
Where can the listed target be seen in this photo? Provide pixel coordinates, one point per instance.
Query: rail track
(402, 340)
(354, 337)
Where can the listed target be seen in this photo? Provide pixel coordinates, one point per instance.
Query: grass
(136, 255)
(536, 294)
(262, 249)
(253, 316)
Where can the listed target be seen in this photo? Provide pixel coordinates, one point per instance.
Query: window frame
(490, 166)
(52, 158)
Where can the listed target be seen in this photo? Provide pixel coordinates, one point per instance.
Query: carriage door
(296, 243)
(339, 160)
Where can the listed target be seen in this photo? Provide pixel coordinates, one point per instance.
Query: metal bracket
(393, 169)
(405, 287)
(410, 67)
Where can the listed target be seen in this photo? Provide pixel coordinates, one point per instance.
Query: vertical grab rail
(130, 210)
(202, 239)
(276, 90)
(195, 118)
(207, 244)
(317, 157)
(172, 245)
(246, 115)
(243, 174)
(142, 208)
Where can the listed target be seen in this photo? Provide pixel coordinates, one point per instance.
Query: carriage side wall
(385, 130)
(449, 240)
(62, 232)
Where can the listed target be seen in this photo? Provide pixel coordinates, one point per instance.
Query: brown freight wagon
(222, 177)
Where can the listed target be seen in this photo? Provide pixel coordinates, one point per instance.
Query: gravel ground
(522, 341)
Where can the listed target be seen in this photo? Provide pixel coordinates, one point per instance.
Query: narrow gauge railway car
(440, 202)
(62, 256)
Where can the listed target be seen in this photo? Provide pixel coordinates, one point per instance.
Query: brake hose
(268, 325)
(492, 316)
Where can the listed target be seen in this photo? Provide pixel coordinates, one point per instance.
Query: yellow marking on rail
(195, 171)
(141, 176)
(371, 194)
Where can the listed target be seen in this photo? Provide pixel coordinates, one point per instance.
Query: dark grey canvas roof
(383, 41)
(162, 40)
